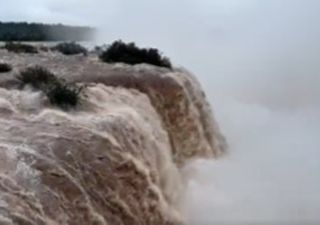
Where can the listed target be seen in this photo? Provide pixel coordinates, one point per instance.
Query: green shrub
(129, 53)
(70, 48)
(63, 95)
(57, 90)
(20, 48)
(37, 77)
(5, 67)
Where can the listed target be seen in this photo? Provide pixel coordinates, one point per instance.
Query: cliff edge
(113, 160)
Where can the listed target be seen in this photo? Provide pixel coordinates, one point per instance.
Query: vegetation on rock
(59, 92)
(37, 76)
(20, 48)
(70, 48)
(64, 95)
(131, 54)
(5, 67)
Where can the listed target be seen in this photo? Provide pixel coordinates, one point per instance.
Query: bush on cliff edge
(131, 54)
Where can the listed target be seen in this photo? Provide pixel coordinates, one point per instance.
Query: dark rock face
(115, 159)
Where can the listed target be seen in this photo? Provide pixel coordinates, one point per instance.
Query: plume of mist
(258, 63)
(263, 82)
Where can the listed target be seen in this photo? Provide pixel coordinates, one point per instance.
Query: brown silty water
(116, 158)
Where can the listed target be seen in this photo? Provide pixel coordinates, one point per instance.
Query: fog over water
(259, 65)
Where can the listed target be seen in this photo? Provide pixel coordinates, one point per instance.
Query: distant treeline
(22, 31)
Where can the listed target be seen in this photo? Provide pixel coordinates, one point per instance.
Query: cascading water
(115, 159)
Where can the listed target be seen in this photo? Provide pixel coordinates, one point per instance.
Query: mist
(258, 63)
(263, 86)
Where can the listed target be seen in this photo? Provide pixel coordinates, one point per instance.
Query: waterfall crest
(116, 159)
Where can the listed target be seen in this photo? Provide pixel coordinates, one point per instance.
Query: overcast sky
(258, 61)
